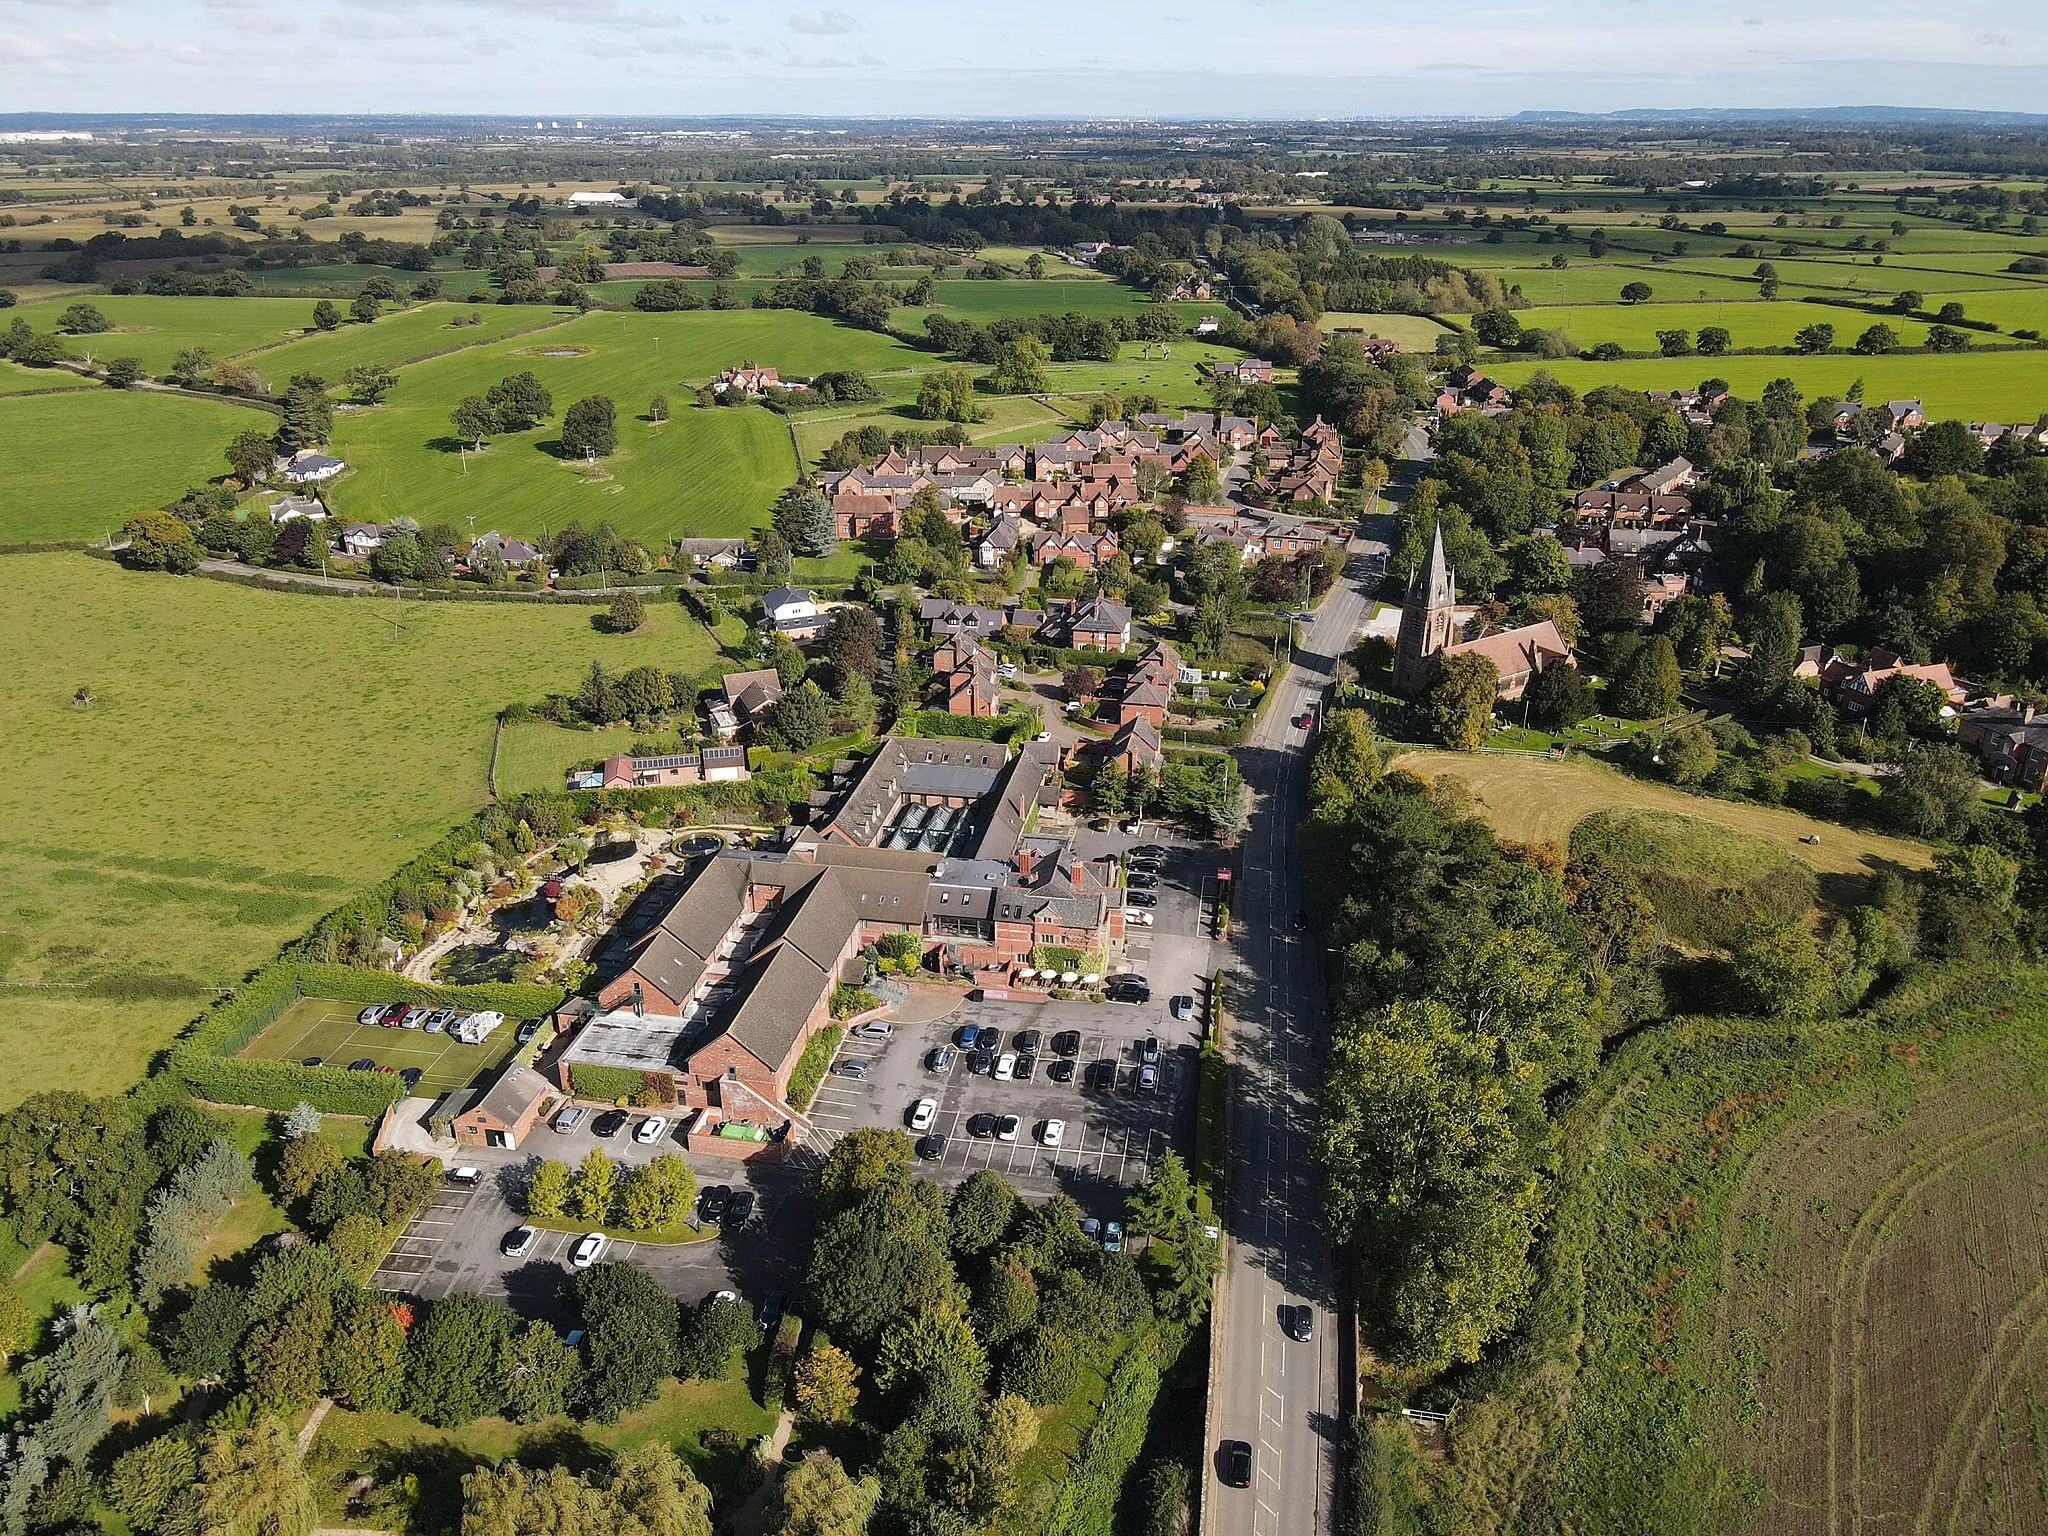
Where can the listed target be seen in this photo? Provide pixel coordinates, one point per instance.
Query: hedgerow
(1086, 1504)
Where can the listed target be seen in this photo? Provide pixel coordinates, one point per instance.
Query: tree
(1648, 686)
(1689, 756)
(1674, 343)
(983, 1208)
(364, 309)
(157, 541)
(1814, 338)
(1697, 626)
(475, 419)
(798, 720)
(1459, 703)
(1497, 327)
(1774, 629)
(590, 428)
(818, 1498)
(452, 1371)
(1635, 293)
(370, 382)
(123, 371)
(1714, 340)
(804, 517)
(191, 366)
(520, 401)
(1946, 338)
(547, 1191)
(1200, 481)
(143, 1481)
(771, 557)
(1346, 760)
(366, 1353)
(853, 641)
(597, 1187)
(325, 316)
(657, 1194)
(1782, 973)
(626, 614)
(827, 1384)
(1020, 367)
(204, 1341)
(251, 1483)
(1610, 596)
(947, 394)
(1559, 697)
(1878, 339)
(84, 320)
(542, 1374)
(646, 1491)
(1933, 793)
(630, 1342)
(719, 1329)
(306, 414)
(1907, 300)
(1163, 1206)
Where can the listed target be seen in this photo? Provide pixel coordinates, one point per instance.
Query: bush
(811, 1066)
(610, 1085)
(1087, 1500)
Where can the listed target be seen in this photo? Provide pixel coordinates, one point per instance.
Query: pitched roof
(1527, 649)
(1434, 585)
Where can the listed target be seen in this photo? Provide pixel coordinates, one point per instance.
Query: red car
(392, 1015)
(1305, 721)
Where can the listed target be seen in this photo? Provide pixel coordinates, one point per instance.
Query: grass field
(456, 281)
(1752, 324)
(17, 380)
(1708, 882)
(1416, 333)
(1994, 386)
(80, 463)
(1793, 1284)
(156, 329)
(401, 337)
(254, 758)
(318, 1026)
(536, 755)
(1534, 800)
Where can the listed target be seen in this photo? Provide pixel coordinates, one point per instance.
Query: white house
(793, 611)
(306, 467)
(359, 539)
(285, 508)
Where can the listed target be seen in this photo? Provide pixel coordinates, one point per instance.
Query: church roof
(1435, 585)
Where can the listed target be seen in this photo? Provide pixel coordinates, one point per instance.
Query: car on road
(923, 1113)
(1067, 1043)
(589, 1249)
(648, 1131)
(411, 1078)
(518, 1242)
(610, 1123)
(1182, 1007)
(374, 1014)
(1007, 1127)
(931, 1148)
(713, 1201)
(1300, 921)
(1143, 880)
(874, 1029)
(740, 1211)
(1061, 1071)
(1138, 919)
(939, 1059)
(1113, 1237)
(1148, 1079)
(1006, 1067)
(1237, 1463)
(1141, 898)
(1026, 1039)
(1148, 1048)
(1301, 1324)
(568, 1119)
(1052, 1133)
(982, 1127)
(362, 1064)
(849, 1066)
(1026, 1067)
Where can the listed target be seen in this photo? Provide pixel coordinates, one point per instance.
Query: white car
(648, 1131)
(1006, 1066)
(589, 1249)
(1053, 1132)
(1138, 917)
(373, 1014)
(1006, 1128)
(923, 1113)
(874, 1029)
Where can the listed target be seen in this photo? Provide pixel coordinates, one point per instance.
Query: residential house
(285, 508)
(1853, 685)
(1144, 691)
(747, 696)
(2011, 740)
(1086, 550)
(792, 611)
(720, 554)
(992, 548)
(864, 514)
(1095, 623)
(1135, 746)
(1250, 370)
(511, 553)
(507, 1111)
(943, 618)
(359, 539)
(749, 380)
(308, 468)
(1905, 415)
(713, 765)
(967, 676)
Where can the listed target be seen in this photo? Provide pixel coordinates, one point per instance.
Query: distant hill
(1958, 117)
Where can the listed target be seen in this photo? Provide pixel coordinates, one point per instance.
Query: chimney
(1025, 859)
(639, 1002)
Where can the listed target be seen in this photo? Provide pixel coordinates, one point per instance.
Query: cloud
(824, 24)
(1995, 40)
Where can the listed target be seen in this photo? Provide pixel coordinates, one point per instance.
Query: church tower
(1427, 621)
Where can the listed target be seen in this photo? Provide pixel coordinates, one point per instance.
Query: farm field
(81, 462)
(456, 281)
(2010, 385)
(1602, 282)
(155, 329)
(17, 380)
(1752, 324)
(401, 337)
(1796, 1280)
(1538, 801)
(256, 757)
(319, 1026)
(1416, 333)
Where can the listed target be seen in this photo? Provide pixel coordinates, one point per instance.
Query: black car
(1067, 1043)
(610, 1123)
(1237, 1463)
(362, 1064)
(309, 1061)
(411, 1078)
(1027, 1040)
(1061, 1071)
(1300, 921)
(1146, 851)
(1026, 1067)
(712, 1203)
(740, 1211)
(770, 1314)
(991, 1042)
(1126, 992)
(1141, 898)
(931, 1148)
(1301, 1324)
(1143, 880)
(982, 1127)
(1102, 1075)
(982, 1063)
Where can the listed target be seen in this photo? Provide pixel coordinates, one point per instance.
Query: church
(1429, 628)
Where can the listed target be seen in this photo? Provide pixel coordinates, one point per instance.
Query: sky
(1013, 58)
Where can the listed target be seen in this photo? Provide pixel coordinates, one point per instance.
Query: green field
(17, 380)
(402, 337)
(1994, 386)
(1589, 282)
(456, 281)
(318, 1026)
(536, 755)
(253, 757)
(80, 463)
(1754, 324)
(156, 329)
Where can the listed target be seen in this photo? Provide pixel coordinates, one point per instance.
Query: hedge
(1087, 1500)
(781, 1369)
(939, 723)
(608, 1085)
(812, 1065)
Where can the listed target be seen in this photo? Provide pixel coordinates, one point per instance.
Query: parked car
(309, 1061)
(931, 1148)
(981, 1063)
(610, 1123)
(1301, 1324)
(527, 1031)
(874, 1029)
(466, 1176)
(1141, 898)
(1147, 851)
(923, 1113)
(740, 1211)
(982, 1127)
(1237, 1463)
(1128, 992)
(967, 1036)
(518, 1242)
(1026, 1040)
(1006, 1066)
(849, 1066)
(649, 1131)
(1027, 1066)
(1113, 1237)
(589, 1249)
(1052, 1133)
(411, 1078)
(991, 1040)
(1148, 1048)
(1102, 1075)
(374, 1014)
(1182, 1007)
(712, 1203)
(438, 1023)
(1148, 1079)
(939, 1059)
(1138, 919)
(1067, 1043)
(1143, 880)
(413, 1018)
(1091, 1229)
(770, 1314)
(362, 1064)
(1007, 1127)
(568, 1119)
(392, 1014)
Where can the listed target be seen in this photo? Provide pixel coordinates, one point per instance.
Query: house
(622, 770)
(994, 547)
(1086, 550)
(1429, 627)
(1208, 325)
(967, 675)
(1905, 415)
(308, 468)
(792, 611)
(1093, 624)
(513, 553)
(747, 696)
(864, 514)
(1852, 685)
(720, 554)
(748, 380)
(1251, 370)
(2011, 740)
(1665, 480)
(507, 1111)
(1135, 746)
(943, 618)
(359, 539)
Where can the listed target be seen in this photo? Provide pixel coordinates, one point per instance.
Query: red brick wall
(619, 994)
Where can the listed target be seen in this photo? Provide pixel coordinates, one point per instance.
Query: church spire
(1435, 584)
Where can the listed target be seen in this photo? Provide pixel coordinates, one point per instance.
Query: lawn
(255, 758)
(1416, 333)
(403, 336)
(536, 755)
(156, 329)
(318, 1026)
(1995, 386)
(81, 463)
(1539, 801)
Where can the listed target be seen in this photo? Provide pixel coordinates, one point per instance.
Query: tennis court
(322, 1027)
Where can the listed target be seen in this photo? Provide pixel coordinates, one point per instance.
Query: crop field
(318, 1026)
(1534, 800)
(255, 758)
(1796, 1283)
(79, 463)
(155, 329)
